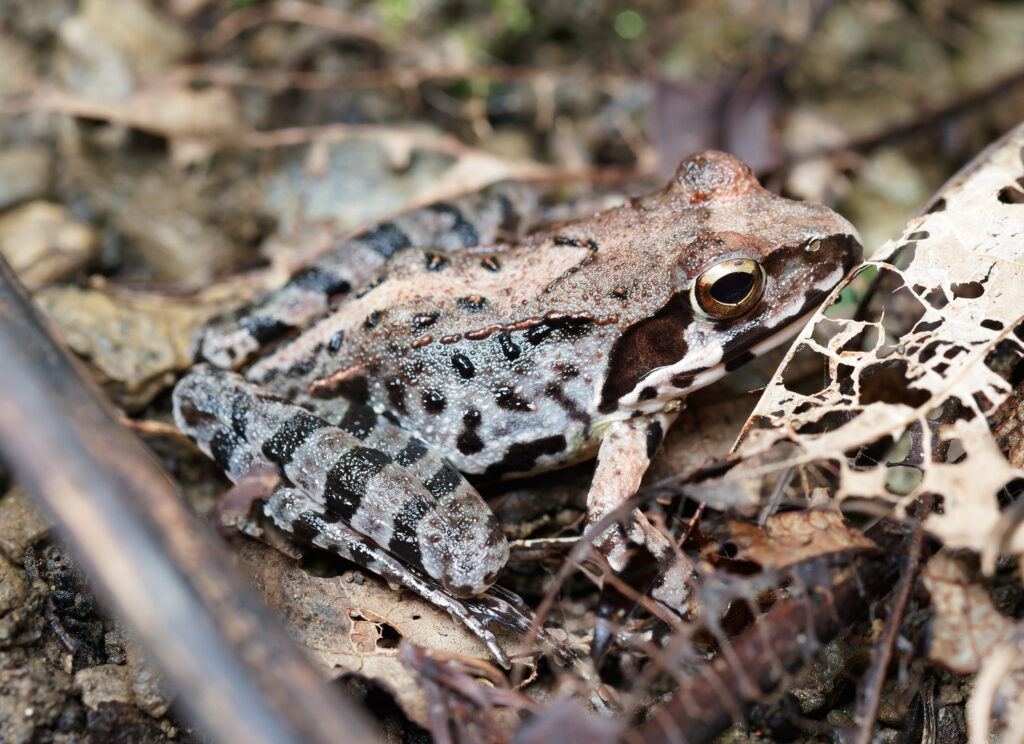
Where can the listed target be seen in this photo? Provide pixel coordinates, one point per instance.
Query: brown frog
(468, 350)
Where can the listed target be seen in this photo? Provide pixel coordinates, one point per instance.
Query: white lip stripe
(660, 377)
(787, 333)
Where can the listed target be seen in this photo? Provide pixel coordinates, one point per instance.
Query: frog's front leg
(624, 455)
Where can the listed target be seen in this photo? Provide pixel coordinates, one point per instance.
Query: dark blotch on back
(522, 456)
(510, 400)
(433, 401)
(469, 442)
(463, 365)
(567, 327)
(657, 341)
(508, 347)
(472, 304)
(425, 320)
(336, 341)
(538, 333)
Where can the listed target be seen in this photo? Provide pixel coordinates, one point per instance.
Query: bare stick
(238, 675)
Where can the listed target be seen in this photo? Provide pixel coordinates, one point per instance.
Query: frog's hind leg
(375, 430)
(458, 542)
(626, 450)
(294, 511)
(496, 214)
(435, 536)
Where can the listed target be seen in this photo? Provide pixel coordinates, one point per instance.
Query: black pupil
(733, 288)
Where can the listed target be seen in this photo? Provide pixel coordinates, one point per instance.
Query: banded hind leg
(397, 507)
(499, 213)
(297, 513)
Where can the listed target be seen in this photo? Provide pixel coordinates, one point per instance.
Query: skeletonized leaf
(910, 374)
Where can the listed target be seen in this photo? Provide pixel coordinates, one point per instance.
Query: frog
(455, 341)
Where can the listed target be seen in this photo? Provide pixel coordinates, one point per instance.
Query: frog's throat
(669, 394)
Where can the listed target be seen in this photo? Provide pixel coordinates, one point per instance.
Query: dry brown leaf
(966, 626)
(353, 624)
(794, 537)
(969, 635)
(135, 345)
(43, 242)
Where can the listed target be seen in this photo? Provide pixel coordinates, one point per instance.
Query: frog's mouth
(672, 382)
(702, 376)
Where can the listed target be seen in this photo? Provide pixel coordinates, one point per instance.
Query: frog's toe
(506, 608)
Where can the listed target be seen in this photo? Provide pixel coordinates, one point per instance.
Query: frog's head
(747, 270)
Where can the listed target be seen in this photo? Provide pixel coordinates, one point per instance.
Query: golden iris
(728, 289)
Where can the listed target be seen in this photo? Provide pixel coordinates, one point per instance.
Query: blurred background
(164, 160)
(180, 135)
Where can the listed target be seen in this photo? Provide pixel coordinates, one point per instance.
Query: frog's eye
(728, 289)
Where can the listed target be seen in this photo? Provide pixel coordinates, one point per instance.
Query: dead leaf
(795, 537)
(353, 624)
(135, 344)
(969, 635)
(900, 406)
(43, 242)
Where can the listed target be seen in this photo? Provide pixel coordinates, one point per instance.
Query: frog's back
(472, 351)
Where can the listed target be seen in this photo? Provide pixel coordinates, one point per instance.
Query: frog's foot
(506, 608)
(294, 511)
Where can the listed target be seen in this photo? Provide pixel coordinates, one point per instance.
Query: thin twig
(871, 693)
